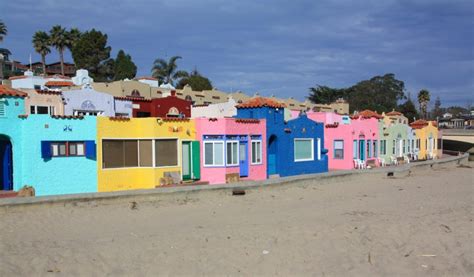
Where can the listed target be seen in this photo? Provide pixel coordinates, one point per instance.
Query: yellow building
(428, 139)
(143, 153)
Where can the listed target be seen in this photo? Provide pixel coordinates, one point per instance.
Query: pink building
(349, 138)
(232, 149)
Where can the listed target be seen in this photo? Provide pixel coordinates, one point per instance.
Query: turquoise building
(54, 154)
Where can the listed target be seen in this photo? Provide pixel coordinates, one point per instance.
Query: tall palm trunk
(61, 57)
(43, 60)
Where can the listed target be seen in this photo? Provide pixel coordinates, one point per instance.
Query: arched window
(135, 93)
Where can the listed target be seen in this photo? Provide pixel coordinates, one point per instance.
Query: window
(166, 152)
(339, 149)
(354, 149)
(375, 149)
(119, 153)
(383, 147)
(213, 153)
(426, 144)
(42, 110)
(145, 149)
(304, 150)
(65, 149)
(256, 152)
(404, 146)
(232, 152)
(143, 114)
(76, 149)
(393, 146)
(369, 148)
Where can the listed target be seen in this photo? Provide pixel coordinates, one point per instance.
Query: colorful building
(54, 154)
(428, 139)
(294, 147)
(169, 106)
(88, 101)
(141, 153)
(348, 139)
(233, 149)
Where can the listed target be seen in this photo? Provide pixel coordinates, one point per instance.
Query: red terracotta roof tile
(394, 113)
(67, 116)
(6, 91)
(53, 92)
(132, 98)
(247, 120)
(421, 123)
(367, 114)
(58, 84)
(258, 102)
(119, 118)
(58, 76)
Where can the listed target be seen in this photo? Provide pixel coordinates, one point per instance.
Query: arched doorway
(6, 163)
(272, 155)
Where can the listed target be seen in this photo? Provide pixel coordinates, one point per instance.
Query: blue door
(6, 165)
(272, 156)
(243, 157)
(362, 149)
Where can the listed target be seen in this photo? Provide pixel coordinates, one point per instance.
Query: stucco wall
(230, 126)
(84, 98)
(219, 110)
(44, 99)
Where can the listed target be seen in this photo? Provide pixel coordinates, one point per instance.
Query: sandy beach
(420, 225)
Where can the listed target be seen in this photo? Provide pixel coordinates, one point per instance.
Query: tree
(74, 35)
(380, 93)
(423, 100)
(437, 110)
(3, 33)
(166, 72)
(409, 110)
(41, 45)
(325, 94)
(92, 53)
(3, 30)
(60, 40)
(196, 81)
(124, 67)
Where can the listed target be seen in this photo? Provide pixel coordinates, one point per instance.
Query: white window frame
(237, 161)
(334, 149)
(312, 149)
(259, 157)
(213, 160)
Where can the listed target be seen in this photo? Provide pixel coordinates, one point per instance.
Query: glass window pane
(254, 152)
(62, 149)
(208, 153)
(259, 152)
(229, 153)
(131, 153)
(42, 110)
(235, 146)
(166, 152)
(80, 149)
(72, 149)
(112, 154)
(303, 150)
(146, 153)
(55, 149)
(218, 153)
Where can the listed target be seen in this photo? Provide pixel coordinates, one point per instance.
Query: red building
(170, 106)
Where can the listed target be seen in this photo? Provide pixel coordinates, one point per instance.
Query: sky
(279, 48)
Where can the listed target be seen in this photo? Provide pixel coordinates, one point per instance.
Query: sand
(420, 225)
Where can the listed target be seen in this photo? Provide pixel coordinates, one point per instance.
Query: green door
(196, 160)
(186, 161)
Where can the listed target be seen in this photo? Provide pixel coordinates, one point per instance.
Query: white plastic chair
(381, 162)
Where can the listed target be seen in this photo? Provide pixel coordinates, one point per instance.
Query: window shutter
(46, 150)
(3, 112)
(90, 149)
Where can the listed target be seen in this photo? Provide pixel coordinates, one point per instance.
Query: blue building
(54, 154)
(295, 146)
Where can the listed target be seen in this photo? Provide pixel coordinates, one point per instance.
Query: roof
(394, 113)
(258, 102)
(421, 123)
(131, 98)
(58, 84)
(6, 91)
(147, 78)
(367, 114)
(18, 77)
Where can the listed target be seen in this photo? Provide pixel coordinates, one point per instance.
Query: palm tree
(41, 43)
(3, 30)
(166, 72)
(59, 38)
(423, 99)
(74, 36)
